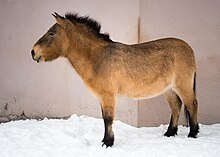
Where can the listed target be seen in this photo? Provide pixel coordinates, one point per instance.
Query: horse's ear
(60, 20)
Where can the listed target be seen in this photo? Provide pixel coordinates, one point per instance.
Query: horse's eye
(51, 34)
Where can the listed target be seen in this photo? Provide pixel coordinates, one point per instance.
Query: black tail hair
(186, 112)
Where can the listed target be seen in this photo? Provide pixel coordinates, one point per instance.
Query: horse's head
(53, 43)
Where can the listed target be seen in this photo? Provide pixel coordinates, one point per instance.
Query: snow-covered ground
(81, 136)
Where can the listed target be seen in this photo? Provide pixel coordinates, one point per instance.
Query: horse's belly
(145, 92)
(151, 94)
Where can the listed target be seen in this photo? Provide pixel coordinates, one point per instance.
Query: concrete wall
(198, 23)
(28, 89)
(54, 89)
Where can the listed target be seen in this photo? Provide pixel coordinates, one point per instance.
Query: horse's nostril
(32, 53)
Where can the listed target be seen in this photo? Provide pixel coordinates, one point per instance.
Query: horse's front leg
(108, 105)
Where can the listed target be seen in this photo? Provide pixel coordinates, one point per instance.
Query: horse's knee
(108, 112)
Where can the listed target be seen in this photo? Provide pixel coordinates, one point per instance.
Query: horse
(108, 68)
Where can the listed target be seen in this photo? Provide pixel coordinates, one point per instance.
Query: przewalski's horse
(164, 66)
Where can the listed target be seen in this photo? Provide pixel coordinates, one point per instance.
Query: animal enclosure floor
(81, 136)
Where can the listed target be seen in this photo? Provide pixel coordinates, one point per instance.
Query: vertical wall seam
(138, 41)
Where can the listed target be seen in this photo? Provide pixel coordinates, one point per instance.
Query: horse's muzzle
(33, 56)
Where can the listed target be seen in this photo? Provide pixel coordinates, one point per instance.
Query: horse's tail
(186, 112)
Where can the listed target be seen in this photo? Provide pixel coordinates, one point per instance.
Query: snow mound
(81, 136)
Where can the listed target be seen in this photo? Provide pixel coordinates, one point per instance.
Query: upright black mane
(91, 24)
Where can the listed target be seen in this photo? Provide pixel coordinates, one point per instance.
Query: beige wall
(198, 23)
(55, 90)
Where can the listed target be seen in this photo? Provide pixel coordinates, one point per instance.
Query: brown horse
(164, 66)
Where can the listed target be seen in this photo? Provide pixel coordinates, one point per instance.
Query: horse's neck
(80, 57)
(81, 64)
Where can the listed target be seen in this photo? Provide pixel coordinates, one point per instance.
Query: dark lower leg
(108, 139)
(107, 101)
(194, 127)
(108, 114)
(172, 130)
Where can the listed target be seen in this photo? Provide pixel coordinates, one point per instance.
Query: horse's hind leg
(188, 97)
(175, 105)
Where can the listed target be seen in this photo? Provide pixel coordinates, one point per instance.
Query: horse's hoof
(168, 134)
(108, 142)
(194, 130)
(172, 131)
(192, 135)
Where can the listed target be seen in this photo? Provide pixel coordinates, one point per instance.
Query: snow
(81, 136)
